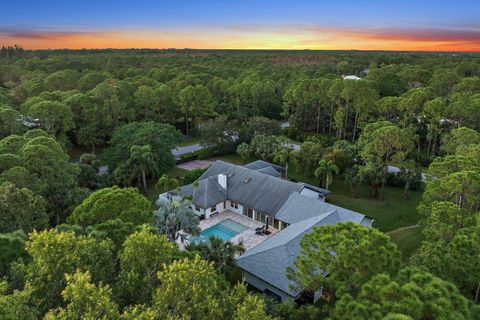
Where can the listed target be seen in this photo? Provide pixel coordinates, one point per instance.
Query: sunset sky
(243, 24)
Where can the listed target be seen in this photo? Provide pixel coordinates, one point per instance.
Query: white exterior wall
(230, 207)
(219, 207)
(200, 212)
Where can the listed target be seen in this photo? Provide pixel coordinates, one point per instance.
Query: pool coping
(248, 236)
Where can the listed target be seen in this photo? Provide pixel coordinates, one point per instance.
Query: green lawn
(407, 240)
(391, 213)
(233, 158)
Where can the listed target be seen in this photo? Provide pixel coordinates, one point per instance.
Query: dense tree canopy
(413, 293)
(343, 257)
(21, 209)
(143, 255)
(160, 137)
(55, 254)
(115, 259)
(126, 204)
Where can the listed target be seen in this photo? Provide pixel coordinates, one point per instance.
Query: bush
(396, 180)
(292, 133)
(193, 175)
(206, 154)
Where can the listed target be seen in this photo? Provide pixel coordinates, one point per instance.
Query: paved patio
(195, 164)
(247, 237)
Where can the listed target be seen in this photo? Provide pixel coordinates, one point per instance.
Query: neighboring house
(351, 77)
(256, 190)
(29, 122)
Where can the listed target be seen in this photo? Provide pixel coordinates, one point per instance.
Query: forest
(85, 150)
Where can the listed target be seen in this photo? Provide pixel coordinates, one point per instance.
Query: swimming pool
(224, 230)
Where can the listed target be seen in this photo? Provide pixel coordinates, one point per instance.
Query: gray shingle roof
(259, 188)
(207, 194)
(253, 189)
(256, 186)
(260, 164)
(270, 171)
(299, 207)
(269, 260)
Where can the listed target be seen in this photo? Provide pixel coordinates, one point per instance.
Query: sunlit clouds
(289, 36)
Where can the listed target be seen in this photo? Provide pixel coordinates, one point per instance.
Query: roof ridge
(323, 216)
(206, 193)
(259, 174)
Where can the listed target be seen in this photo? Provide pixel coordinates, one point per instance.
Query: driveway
(195, 164)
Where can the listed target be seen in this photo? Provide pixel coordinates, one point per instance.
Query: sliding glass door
(248, 212)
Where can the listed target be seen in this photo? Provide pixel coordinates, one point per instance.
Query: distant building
(351, 77)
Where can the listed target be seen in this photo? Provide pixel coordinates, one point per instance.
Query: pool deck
(247, 237)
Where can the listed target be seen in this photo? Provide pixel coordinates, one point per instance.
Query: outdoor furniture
(265, 231)
(260, 229)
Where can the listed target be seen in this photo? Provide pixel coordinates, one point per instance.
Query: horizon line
(236, 49)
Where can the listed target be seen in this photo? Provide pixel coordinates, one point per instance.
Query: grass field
(407, 240)
(391, 213)
(232, 158)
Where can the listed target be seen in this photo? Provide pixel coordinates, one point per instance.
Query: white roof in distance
(351, 77)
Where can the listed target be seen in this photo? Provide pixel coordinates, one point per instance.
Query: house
(351, 77)
(257, 192)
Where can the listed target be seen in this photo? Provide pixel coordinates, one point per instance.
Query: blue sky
(34, 19)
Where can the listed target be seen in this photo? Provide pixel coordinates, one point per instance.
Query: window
(197, 208)
(248, 212)
(213, 209)
(276, 223)
(283, 224)
(234, 204)
(260, 217)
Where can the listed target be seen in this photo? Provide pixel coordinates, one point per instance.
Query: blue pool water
(224, 230)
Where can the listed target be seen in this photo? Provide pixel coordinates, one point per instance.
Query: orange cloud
(253, 37)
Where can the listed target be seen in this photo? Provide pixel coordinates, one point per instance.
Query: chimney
(222, 180)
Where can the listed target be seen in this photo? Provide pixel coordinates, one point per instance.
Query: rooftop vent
(231, 174)
(247, 180)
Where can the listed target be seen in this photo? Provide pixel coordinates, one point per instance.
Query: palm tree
(221, 252)
(142, 162)
(176, 217)
(283, 157)
(243, 150)
(408, 173)
(325, 170)
(166, 183)
(354, 178)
